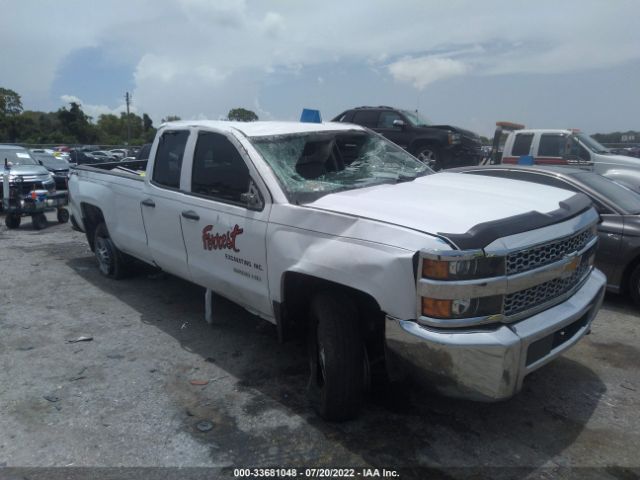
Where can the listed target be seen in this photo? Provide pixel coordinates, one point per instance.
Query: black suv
(439, 146)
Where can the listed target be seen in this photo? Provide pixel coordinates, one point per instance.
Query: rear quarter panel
(118, 197)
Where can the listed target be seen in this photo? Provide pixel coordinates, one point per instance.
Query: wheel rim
(103, 254)
(428, 157)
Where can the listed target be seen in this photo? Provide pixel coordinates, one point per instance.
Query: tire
(111, 261)
(634, 285)
(63, 215)
(430, 156)
(336, 357)
(12, 221)
(39, 221)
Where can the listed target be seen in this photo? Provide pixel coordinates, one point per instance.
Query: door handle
(191, 215)
(147, 202)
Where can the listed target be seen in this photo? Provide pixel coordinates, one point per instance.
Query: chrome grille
(531, 297)
(531, 258)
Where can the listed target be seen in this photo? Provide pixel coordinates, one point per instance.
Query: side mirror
(40, 162)
(252, 198)
(399, 123)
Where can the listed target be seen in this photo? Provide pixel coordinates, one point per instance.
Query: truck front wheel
(336, 357)
(110, 260)
(430, 156)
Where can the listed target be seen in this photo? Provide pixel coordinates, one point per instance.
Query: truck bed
(134, 169)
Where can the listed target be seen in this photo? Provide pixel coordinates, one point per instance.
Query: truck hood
(29, 170)
(620, 160)
(445, 202)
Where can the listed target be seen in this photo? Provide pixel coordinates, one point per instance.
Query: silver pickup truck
(471, 282)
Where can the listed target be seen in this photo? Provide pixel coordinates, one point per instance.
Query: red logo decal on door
(220, 241)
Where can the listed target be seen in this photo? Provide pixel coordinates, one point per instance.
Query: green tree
(242, 115)
(10, 102)
(75, 123)
(147, 123)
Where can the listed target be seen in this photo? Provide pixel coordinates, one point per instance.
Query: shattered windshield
(312, 164)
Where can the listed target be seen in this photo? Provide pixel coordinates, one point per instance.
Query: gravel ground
(126, 398)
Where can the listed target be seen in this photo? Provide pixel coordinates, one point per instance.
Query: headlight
(454, 138)
(465, 269)
(452, 286)
(462, 307)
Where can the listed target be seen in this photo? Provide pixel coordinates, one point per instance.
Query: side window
(368, 118)
(522, 144)
(168, 162)
(552, 145)
(387, 118)
(218, 169)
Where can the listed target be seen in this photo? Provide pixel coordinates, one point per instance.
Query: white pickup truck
(474, 282)
(570, 147)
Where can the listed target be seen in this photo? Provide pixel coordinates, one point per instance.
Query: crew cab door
(162, 204)
(399, 134)
(224, 222)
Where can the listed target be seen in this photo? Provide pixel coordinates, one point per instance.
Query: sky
(547, 64)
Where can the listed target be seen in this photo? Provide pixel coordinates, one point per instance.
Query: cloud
(94, 111)
(192, 57)
(273, 24)
(221, 13)
(423, 71)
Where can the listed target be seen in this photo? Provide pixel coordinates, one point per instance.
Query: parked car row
(28, 188)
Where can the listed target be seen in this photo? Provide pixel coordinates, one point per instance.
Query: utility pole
(127, 98)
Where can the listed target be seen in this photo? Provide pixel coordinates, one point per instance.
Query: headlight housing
(446, 274)
(454, 138)
(461, 307)
(463, 269)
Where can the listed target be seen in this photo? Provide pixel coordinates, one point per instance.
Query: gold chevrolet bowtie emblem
(570, 267)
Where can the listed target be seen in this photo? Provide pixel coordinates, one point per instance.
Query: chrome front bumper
(490, 365)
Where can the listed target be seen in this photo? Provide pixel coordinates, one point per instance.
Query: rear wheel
(12, 221)
(39, 221)
(111, 261)
(430, 156)
(336, 357)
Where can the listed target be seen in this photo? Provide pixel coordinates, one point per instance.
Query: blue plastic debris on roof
(310, 116)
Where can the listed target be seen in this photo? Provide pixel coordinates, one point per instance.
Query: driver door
(224, 222)
(400, 135)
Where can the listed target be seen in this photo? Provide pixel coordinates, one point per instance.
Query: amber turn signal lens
(436, 308)
(435, 269)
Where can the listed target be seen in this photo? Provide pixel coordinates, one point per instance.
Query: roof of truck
(546, 130)
(259, 129)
